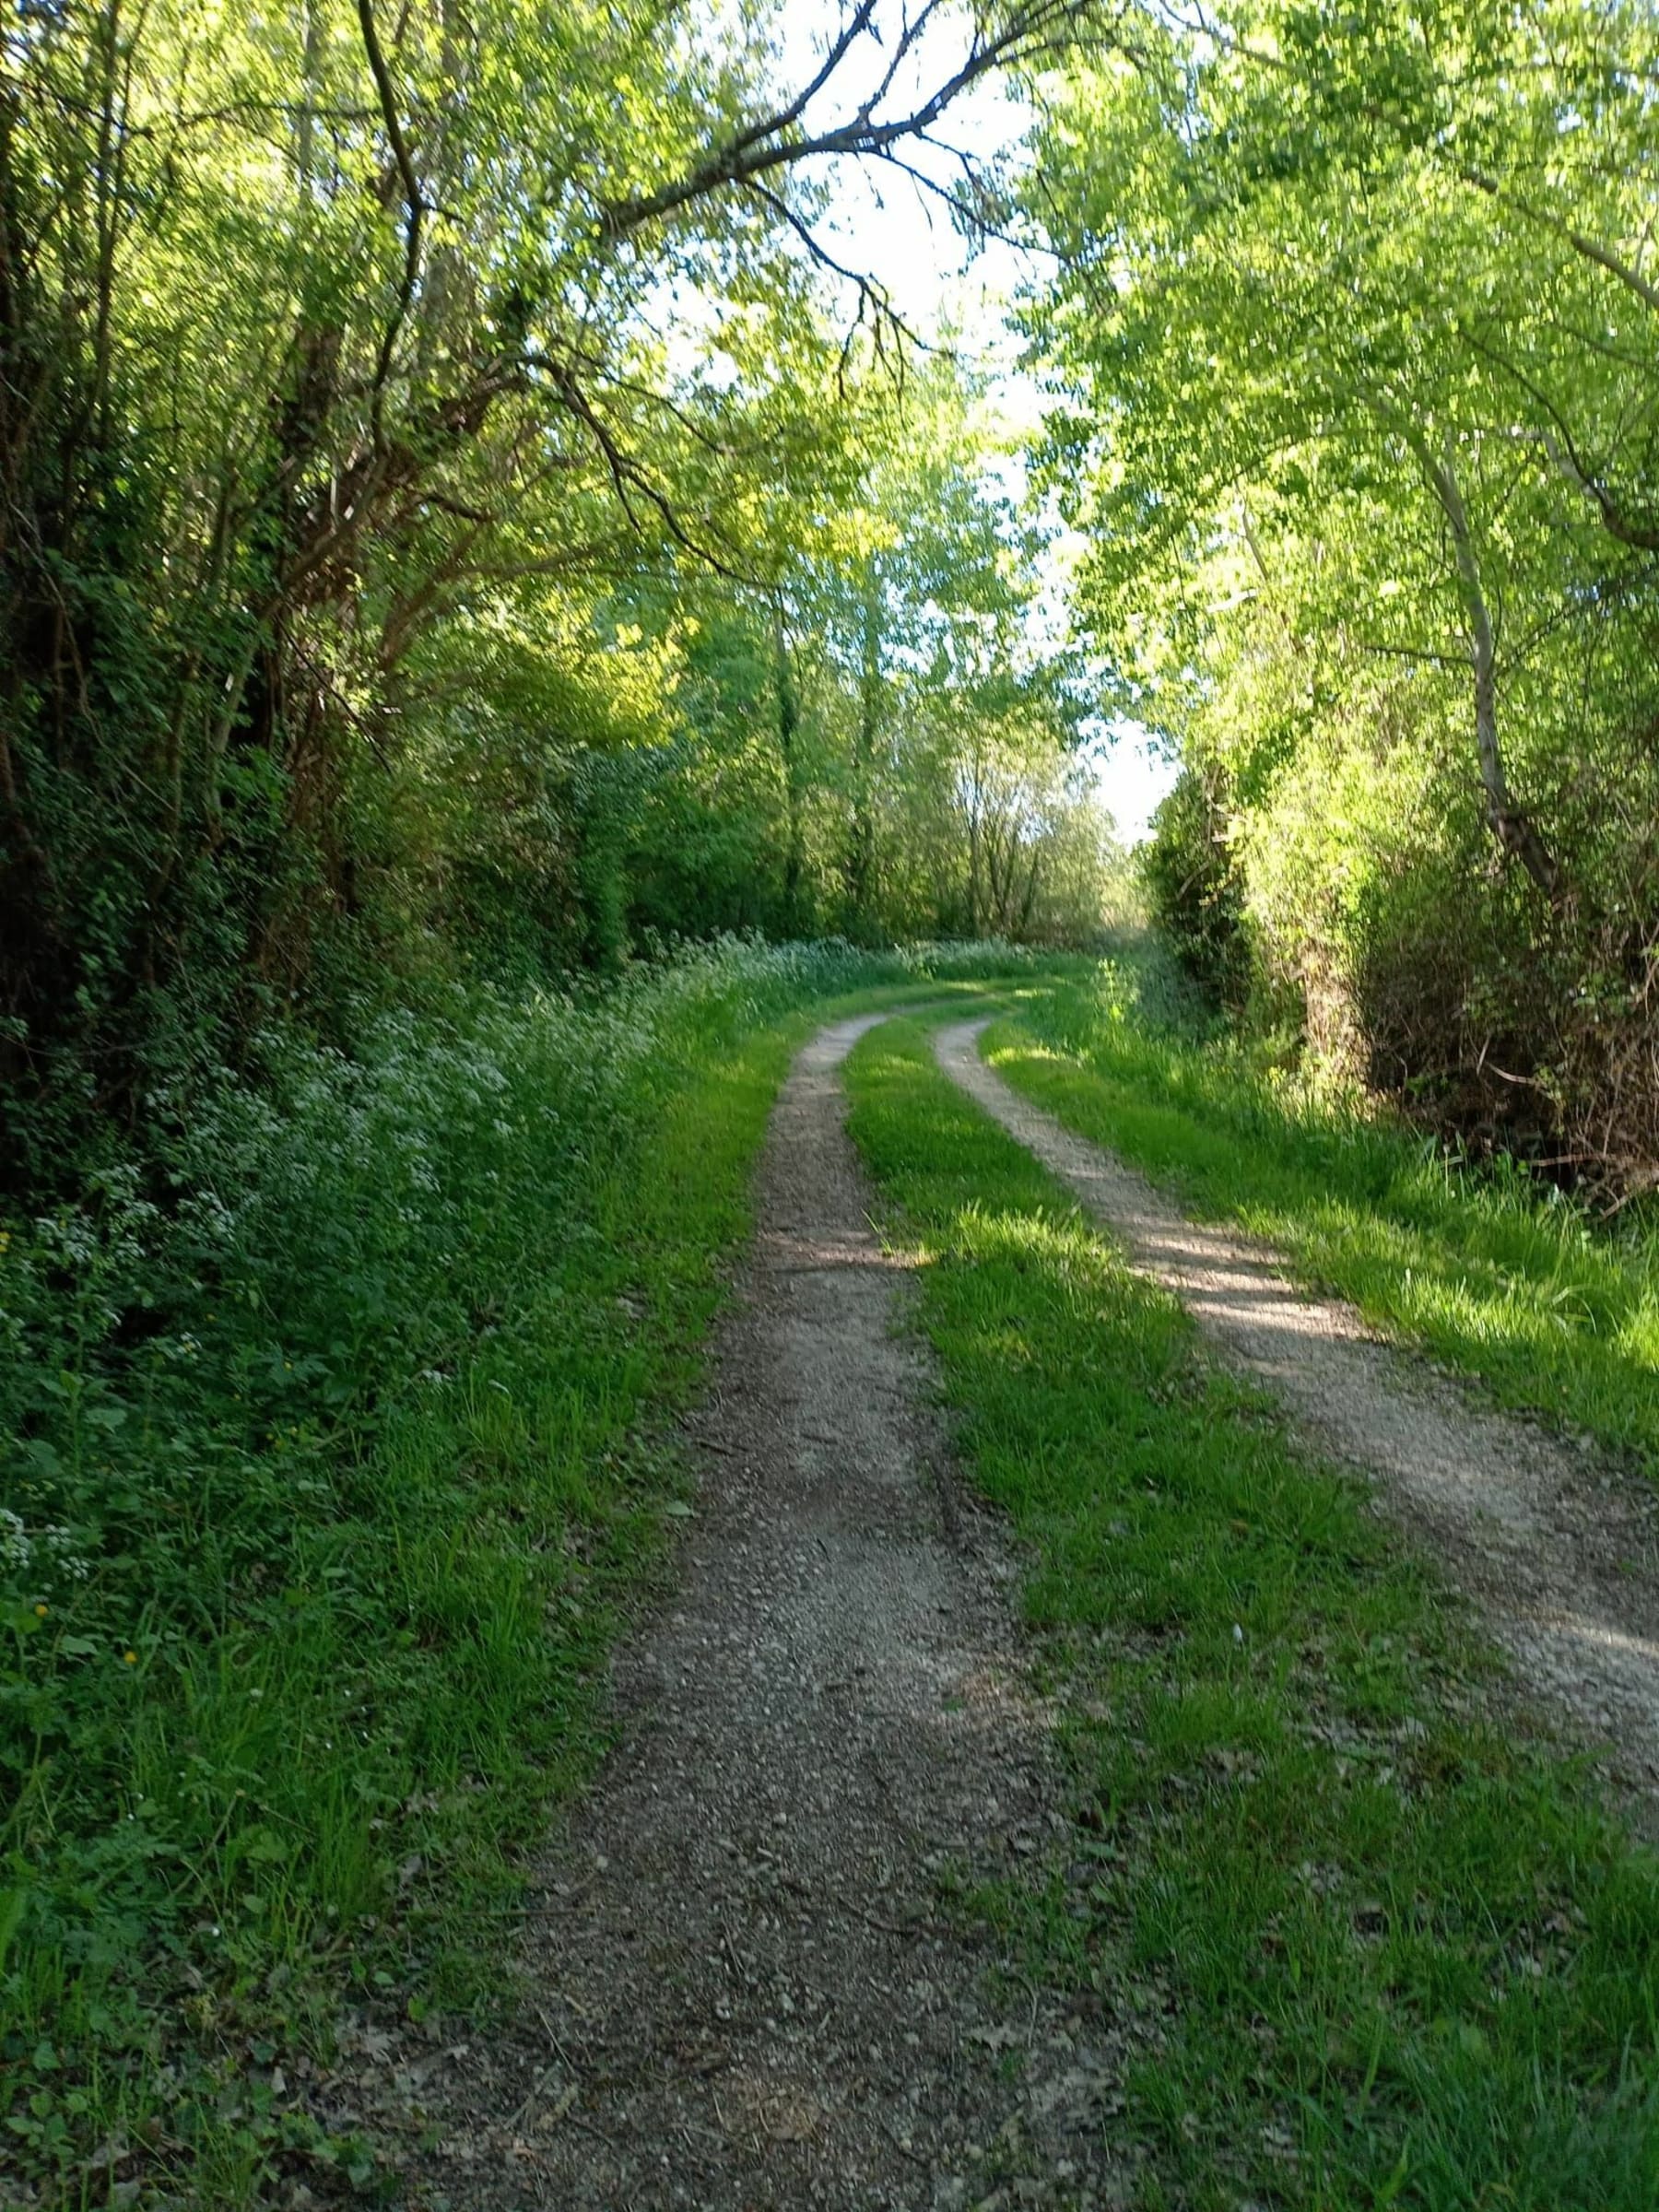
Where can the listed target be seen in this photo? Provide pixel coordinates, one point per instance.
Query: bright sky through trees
(888, 223)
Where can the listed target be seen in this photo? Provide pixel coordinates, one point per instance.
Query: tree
(323, 331)
(1350, 318)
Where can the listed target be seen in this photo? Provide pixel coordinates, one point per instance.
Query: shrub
(1195, 890)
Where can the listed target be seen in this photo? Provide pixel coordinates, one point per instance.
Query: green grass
(327, 1489)
(330, 1473)
(1488, 1271)
(1372, 1945)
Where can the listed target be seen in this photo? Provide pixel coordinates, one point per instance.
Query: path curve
(1559, 1552)
(744, 1993)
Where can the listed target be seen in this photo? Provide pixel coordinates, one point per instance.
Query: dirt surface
(746, 1990)
(1558, 1550)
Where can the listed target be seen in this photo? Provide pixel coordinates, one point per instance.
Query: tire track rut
(744, 1994)
(1558, 1550)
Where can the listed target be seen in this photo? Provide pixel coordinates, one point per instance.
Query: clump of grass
(1487, 1269)
(1375, 1946)
(327, 1467)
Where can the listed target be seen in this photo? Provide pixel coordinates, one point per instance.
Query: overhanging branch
(1037, 31)
(414, 201)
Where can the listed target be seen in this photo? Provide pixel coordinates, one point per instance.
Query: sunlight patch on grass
(1370, 1943)
(1490, 1273)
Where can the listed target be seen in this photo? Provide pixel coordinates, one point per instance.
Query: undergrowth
(324, 1469)
(1367, 1944)
(1490, 1270)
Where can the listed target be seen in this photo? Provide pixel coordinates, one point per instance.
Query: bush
(1195, 890)
(1436, 973)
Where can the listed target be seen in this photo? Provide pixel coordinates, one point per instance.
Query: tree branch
(626, 473)
(415, 200)
(1588, 248)
(1039, 29)
(879, 299)
(1558, 442)
(1510, 824)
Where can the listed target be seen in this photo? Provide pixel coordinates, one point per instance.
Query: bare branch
(414, 198)
(1036, 30)
(970, 213)
(786, 118)
(879, 299)
(626, 473)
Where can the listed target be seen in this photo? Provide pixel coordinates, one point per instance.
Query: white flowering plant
(322, 1451)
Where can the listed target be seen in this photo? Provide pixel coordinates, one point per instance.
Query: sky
(893, 229)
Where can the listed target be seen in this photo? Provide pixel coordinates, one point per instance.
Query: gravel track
(745, 1992)
(1558, 1550)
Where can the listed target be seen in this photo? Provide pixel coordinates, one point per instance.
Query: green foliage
(410, 417)
(1368, 1943)
(1192, 884)
(1359, 420)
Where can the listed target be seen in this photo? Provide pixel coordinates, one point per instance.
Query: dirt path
(745, 1993)
(1559, 1552)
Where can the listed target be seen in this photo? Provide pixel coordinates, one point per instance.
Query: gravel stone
(745, 1994)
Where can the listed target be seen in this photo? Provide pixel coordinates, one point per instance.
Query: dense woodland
(503, 609)
(458, 521)
(1355, 321)
(463, 518)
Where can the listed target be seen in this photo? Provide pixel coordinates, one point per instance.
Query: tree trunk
(1509, 822)
(860, 852)
(789, 726)
(975, 804)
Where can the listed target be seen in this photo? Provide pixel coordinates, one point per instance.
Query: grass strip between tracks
(1374, 1943)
